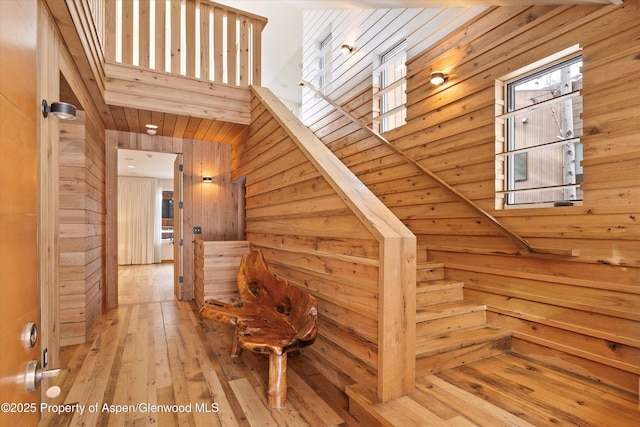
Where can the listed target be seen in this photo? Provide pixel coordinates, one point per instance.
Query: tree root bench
(271, 317)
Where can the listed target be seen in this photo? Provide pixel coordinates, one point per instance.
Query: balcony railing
(194, 38)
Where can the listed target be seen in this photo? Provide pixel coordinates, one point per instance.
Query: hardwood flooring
(505, 390)
(157, 359)
(138, 284)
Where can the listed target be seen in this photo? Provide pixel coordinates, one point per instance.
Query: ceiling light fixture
(151, 129)
(207, 179)
(347, 49)
(61, 110)
(438, 77)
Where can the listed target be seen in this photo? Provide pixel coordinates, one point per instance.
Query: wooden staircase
(450, 331)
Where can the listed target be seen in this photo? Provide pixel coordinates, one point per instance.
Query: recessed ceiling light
(150, 126)
(131, 167)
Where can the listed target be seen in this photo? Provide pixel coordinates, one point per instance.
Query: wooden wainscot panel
(216, 269)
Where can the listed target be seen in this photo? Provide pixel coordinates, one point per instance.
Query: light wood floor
(141, 284)
(154, 350)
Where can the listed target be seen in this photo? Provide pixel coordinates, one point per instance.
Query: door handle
(35, 374)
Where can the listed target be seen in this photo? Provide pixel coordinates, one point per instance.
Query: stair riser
(463, 356)
(452, 323)
(424, 274)
(424, 299)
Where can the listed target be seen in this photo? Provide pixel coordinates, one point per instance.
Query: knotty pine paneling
(576, 313)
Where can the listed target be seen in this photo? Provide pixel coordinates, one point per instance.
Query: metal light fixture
(207, 179)
(61, 110)
(438, 77)
(347, 49)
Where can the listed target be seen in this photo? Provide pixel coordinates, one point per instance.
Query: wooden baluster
(232, 39)
(191, 47)
(175, 36)
(143, 36)
(160, 36)
(245, 25)
(218, 52)
(110, 31)
(205, 48)
(256, 52)
(127, 32)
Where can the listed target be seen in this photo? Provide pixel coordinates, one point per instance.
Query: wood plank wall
(77, 246)
(83, 25)
(581, 313)
(216, 269)
(82, 229)
(310, 235)
(315, 253)
(372, 32)
(211, 206)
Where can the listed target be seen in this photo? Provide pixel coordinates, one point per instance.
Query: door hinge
(180, 205)
(181, 279)
(180, 168)
(181, 242)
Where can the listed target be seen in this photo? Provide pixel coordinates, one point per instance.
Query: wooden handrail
(519, 240)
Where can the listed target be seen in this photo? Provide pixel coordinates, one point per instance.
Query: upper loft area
(184, 66)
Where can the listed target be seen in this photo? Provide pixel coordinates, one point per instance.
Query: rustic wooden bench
(271, 317)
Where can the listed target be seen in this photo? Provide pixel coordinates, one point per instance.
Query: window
(392, 97)
(324, 62)
(542, 151)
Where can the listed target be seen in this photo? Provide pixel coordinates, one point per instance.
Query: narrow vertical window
(324, 62)
(391, 98)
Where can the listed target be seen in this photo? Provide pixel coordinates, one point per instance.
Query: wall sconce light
(207, 179)
(61, 110)
(438, 77)
(347, 49)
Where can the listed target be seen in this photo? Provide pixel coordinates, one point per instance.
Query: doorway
(146, 182)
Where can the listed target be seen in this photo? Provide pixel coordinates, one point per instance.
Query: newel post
(397, 317)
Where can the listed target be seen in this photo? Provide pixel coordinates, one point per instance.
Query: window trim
(383, 88)
(504, 168)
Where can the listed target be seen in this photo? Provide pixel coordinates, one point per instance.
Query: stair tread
(438, 284)
(427, 346)
(447, 309)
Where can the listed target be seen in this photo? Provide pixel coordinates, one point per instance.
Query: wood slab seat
(271, 317)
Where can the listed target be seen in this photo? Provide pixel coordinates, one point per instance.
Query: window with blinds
(541, 126)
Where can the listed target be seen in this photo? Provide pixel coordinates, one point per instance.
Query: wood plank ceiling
(175, 125)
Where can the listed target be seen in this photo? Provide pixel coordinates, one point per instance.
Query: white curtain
(139, 220)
